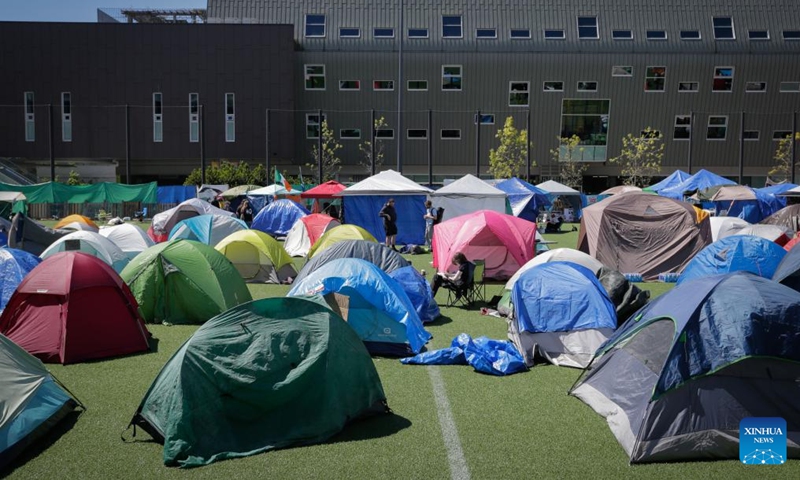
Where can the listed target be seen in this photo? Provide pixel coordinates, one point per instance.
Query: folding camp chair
(473, 291)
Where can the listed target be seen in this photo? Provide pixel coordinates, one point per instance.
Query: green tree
(331, 163)
(366, 148)
(230, 173)
(510, 156)
(74, 178)
(640, 157)
(784, 163)
(567, 156)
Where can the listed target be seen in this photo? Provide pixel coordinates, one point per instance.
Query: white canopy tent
(469, 194)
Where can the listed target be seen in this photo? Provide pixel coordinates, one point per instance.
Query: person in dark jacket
(458, 281)
(389, 215)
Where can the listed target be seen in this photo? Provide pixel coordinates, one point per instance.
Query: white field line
(455, 456)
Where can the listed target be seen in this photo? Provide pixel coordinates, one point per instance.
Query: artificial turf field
(447, 422)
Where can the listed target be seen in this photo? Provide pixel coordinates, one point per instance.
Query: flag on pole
(282, 180)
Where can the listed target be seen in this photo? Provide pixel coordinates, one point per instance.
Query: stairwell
(11, 172)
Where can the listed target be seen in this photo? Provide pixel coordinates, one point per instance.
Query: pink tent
(504, 242)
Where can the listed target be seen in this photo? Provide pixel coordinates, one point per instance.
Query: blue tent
(674, 178)
(776, 201)
(560, 297)
(753, 211)
(32, 401)
(788, 271)
(699, 181)
(278, 217)
(378, 308)
(382, 256)
(175, 193)
(363, 211)
(688, 367)
(14, 265)
(208, 229)
(419, 292)
(526, 200)
(747, 253)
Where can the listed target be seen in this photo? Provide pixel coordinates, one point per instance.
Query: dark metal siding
(106, 66)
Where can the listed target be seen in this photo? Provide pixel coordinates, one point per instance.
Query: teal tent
(272, 373)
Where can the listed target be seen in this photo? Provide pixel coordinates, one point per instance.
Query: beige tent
(642, 233)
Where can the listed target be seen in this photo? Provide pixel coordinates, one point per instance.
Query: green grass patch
(521, 426)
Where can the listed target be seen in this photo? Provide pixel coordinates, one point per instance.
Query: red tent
(71, 308)
(327, 190)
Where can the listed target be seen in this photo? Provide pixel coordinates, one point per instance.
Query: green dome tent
(183, 281)
(272, 373)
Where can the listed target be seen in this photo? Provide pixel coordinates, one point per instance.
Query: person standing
(389, 215)
(430, 217)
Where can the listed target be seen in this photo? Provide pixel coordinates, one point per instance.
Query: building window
(520, 33)
(656, 34)
(486, 33)
(313, 124)
(690, 35)
(486, 119)
(655, 79)
(587, 28)
(194, 117)
(384, 134)
(417, 33)
(790, 87)
(451, 26)
(588, 119)
(554, 34)
(750, 135)
(649, 133)
(158, 117)
(587, 86)
(751, 87)
(518, 94)
(791, 35)
(66, 117)
(30, 122)
(350, 134)
(417, 134)
(451, 134)
(622, 34)
(418, 85)
(723, 79)
(383, 32)
(622, 71)
(779, 135)
(230, 117)
(315, 25)
(349, 85)
(315, 77)
(717, 127)
(723, 28)
(683, 127)
(688, 87)
(451, 77)
(758, 34)
(349, 32)
(383, 85)
(553, 87)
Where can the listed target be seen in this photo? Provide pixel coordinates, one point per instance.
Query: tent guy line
(452, 443)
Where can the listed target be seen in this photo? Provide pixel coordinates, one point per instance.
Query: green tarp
(272, 373)
(53, 192)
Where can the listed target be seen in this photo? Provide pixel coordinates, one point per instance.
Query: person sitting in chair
(554, 222)
(458, 281)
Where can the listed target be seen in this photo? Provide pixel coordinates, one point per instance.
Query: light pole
(400, 92)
